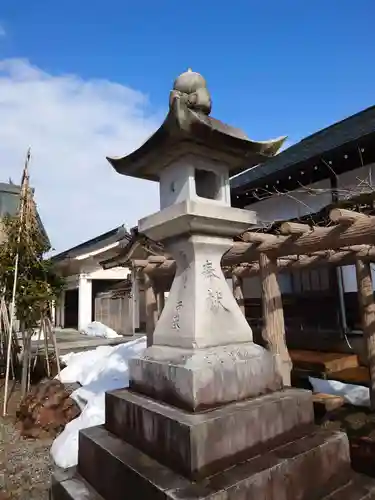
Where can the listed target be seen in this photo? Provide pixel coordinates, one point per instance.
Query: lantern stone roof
(189, 128)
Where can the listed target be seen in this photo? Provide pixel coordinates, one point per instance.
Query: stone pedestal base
(264, 448)
(198, 379)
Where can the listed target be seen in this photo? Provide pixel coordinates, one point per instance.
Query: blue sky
(273, 68)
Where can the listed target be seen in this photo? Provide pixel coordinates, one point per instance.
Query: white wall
(299, 203)
(295, 204)
(356, 181)
(116, 273)
(71, 282)
(351, 183)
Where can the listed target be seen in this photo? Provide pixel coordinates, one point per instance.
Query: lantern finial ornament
(191, 88)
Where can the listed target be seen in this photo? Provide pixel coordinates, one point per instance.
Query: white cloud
(72, 125)
(2, 31)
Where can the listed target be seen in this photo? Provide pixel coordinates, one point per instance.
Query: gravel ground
(25, 465)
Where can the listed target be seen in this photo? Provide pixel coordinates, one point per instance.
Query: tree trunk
(367, 310)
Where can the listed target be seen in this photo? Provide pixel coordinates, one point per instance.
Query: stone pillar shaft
(201, 311)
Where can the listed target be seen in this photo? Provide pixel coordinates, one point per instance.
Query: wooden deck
(358, 375)
(329, 365)
(325, 362)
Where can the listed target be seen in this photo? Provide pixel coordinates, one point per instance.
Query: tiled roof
(348, 130)
(112, 236)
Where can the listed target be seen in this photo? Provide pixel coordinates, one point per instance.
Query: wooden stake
(273, 318)
(367, 309)
(25, 362)
(52, 335)
(46, 351)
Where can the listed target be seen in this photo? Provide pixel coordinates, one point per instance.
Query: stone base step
(359, 488)
(76, 488)
(197, 445)
(116, 469)
(72, 487)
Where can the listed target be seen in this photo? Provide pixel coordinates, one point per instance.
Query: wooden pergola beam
(343, 216)
(289, 228)
(297, 263)
(347, 256)
(362, 231)
(304, 247)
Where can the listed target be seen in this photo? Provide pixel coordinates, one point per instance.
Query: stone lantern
(203, 352)
(206, 415)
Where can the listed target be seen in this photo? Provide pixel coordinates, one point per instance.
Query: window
(207, 184)
(314, 280)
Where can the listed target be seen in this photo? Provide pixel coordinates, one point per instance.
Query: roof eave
(184, 126)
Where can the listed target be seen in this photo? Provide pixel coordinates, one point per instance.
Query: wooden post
(273, 318)
(237, 284)
(160, 300)
(151, 308)
(367, 311)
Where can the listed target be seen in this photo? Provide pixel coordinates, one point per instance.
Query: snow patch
(100, 370)
(97, 329)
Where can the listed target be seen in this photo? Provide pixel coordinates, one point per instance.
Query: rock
(46, 410)
(39, 370)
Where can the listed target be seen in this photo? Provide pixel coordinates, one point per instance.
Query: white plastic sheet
(98, 371)
(356, 395)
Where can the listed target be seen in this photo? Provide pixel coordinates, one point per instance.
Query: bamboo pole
(367, 309)
(25, 361)
(52, 335)
(273, 319)
(24, 188)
